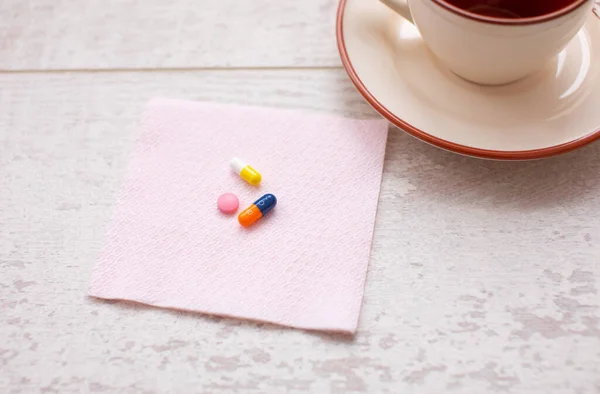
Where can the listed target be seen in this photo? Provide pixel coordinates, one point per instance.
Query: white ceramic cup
(488, 50)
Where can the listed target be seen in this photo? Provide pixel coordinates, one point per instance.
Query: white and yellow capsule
(245, 171)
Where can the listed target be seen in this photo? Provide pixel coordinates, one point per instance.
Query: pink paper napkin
(303, 265)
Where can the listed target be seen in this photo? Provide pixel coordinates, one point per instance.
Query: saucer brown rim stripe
(512, 22)
(439, 142)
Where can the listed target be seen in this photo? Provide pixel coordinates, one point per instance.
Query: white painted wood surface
(484, 275)
(117, 34)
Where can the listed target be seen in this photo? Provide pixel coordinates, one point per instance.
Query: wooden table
(484, 275)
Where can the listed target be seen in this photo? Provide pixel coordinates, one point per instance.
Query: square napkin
(303, 265)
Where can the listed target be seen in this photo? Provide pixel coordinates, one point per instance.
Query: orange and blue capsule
(260, 208)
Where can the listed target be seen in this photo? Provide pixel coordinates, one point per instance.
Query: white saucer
(549, 113)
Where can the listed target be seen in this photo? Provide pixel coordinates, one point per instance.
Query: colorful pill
(228, 203)
(260, 208)
(245, 172)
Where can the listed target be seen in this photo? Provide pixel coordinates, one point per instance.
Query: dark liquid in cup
(512, 9)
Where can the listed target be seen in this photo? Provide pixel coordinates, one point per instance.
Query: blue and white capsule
(260, 208)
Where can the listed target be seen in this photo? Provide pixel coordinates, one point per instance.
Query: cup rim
(508, 21)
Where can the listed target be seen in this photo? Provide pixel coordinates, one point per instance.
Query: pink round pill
(228, 203)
